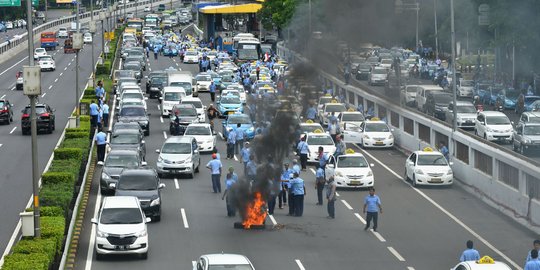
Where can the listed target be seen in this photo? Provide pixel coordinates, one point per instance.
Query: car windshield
(376, 127)
(431, 160)
(185, 85)
(364, 66)
(355, 117)
(137, 182)
(530, 100)
(183, 111)
(173, 96)
(335, 108)
(197, 104)
(310, 128)
(230, 100)
(121, 216)
(132, 111)
(203, 78)
(352, 162)
(238, 119)
(497, 120)
(531, 130)
(176, 148)
(442, 99)
(466, 109)
(192, 130)
(40, 50)
(231, 93)
(467, 83)
(158, 80)
(39, 110)
(192, 53)
(132, 95)
(125, 139)
(45, 57)
(410, 89)
(230, 267)
(121, 161)
(132, 67)
(532, 119)
(320, 140)
(379, 71)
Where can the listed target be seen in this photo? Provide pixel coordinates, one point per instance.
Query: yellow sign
(375, 119)
(485, 260)
(349, 151)
(309, 121)
(351, 110)
(109, 36)
(327, 95)
(318, 131)
(334, 101)
(428, 149)
(64, 1)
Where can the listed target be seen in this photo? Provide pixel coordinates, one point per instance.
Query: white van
(183, 79)
(421, 94)
(170, 96)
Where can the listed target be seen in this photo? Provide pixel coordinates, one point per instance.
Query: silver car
(526, 138)
(179, 155)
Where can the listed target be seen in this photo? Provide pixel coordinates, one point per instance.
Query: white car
(87, 38)
(203, 81)
(240, 90)
(493, 126)
(62, 32)
(133, 94)
(235, 93)
(428, 167)
(202, 132)
(171, 96)
(46, 62)
(408, 95)
(378, 76)
(121, 227)
(39, 52)
(223, 261)
(466, 114)
(465, 88)
(201, 109)
(485, 263)
(191, 57)
(309, 127)
(350, 117)
(329, 108)
(316, 139)
(9, 25)
(147, 9)
(351, 170)
(375, 133)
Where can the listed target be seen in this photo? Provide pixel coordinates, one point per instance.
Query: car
(19, 81)
(428, 167)
(147, 9)
(330, 109)
(350, 170)
(466, 113)
(408, 95)
(191, 57)
(130, 101)
(202, 132)
(309, 126)
(155, 85)
(144, 184)
(135, 113)
(526, 137)
(437, 104)
(119, 75)
(223, 261)
(170, 96)
(493, 126)
(47, 62)
(170, 51)
(116, 161)
(362, 71)
(197, 103)
(87, 38)
(45, 119)
(9, 25)
(229, 104)
(232, 123)
(136, 67)
(127, 125)
(6, 111)
(39, 52)
(318, 139)
(376, 134)
(235, 93)
(378, 76)
(485, 263)
(137, 54)
(240, 89)
(350, 117)
(132, 93)
(529, 101)
(121, 227)
(186, 114)
(465, 88)
(203, 80)
(530, 117)
(128, 139)
(62, 32)
(179, 155)
(493, 91)
(508, 98)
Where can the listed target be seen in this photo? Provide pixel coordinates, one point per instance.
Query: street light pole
(417, 12)
(102, 17)
(77, 65)
(454, 83)
(436, 34)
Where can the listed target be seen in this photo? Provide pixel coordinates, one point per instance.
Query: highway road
(52, 14)
(420, 228)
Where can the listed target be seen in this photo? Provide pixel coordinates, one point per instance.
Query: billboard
(63, 1)
(10, 3)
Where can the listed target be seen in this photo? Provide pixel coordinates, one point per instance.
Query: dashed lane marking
(12, 130)
(347, 204)
(410, 268)
(379, 236)
(337, 194)
(165, 134)
(300, 265)
(65, 68)
(273, 219)
(12, 88)
(61, 73)
(161, 119)
(396, 254)
(312, 170)
(3, 97)
(184, 218)
(235, 158)
(176, 185)
(50, 86)
(44, 94)
(56, 80)
(360, 218)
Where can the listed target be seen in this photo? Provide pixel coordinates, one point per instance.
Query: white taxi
(428, 167)
(309, 126)
(485, 263)
(203, 134)
(46, 62)
(375, 133)
(191, 56)
(350, 122)
(197, 103)
(316, 139)
(39, 52)
(334, 107)
(235, 93)
(351, 170)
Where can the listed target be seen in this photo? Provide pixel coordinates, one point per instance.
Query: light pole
(400, 7)
(92, 32)
(454, 94)
(77, 45)
(102, 17)
(436, 34)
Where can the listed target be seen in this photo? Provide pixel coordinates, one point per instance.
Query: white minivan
(421, 95)
(170, 96)
(494, 126)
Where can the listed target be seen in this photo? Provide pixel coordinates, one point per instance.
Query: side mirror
(451, 163)
(158, 151)
(143, 141)
(148, 220)
(371, 164)
(94, 221)
(161, 185)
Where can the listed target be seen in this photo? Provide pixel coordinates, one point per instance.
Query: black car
(117, 160)
(129, 139)
(144, 184)
(151, 75)
(362, 71)
(44, 119)
(137, 114)
(156, 86)
(136, 67)
(127, 125)
(6, 111)
(186, 114)
(437, 104)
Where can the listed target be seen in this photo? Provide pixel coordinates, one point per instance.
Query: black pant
(213, 96)
(271, 204)
(291, 202)
(93, 120)
(155, 55)
(320, 187)
(374, 216)
(105, 119)
(101, 152)
(231, 210)
(331, 208)
(230, 150)
(298, 205)
(282, 197)
(303, 161)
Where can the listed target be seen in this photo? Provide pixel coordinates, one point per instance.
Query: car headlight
(366, 137)
(390, 137)
(527, 140)
(488, 129)
(418, 171)
(155, 202)
(102, 234)
(251, 129)
(160, 159)
(105, 176)
(142, 233)
(370, 173)
(450, 172)
(340, 174)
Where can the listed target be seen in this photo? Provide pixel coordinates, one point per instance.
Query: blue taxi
(227, 104)
(245, 124)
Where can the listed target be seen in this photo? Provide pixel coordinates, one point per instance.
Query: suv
(121, 228)
(437, 104)
(179, 155)
(187, 114)
(6, 111)
(44, 119)
(529, 117)
(378, 76)
(144, 184)
(526, 137)
(493, 126)
(129, 139)
(116, 161)
(362, 71)
(466, 114)
(135, 113)
(62, 33)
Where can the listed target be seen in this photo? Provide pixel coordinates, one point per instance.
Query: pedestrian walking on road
(372, 207)
(285, 177)
(331, 197)
(231, 144)
(470, 254)
(303, 151)
(534, 263)
(101, 142)
(251, 168)
(536, 245)
(319, 184)
(212, 91)
(229, 183)
(273, 186)
(215, 168)
(444, 150)
(299, 191)
(240, 134)
(94, 112)
(105, 109)
(156, 52)
(245, 153)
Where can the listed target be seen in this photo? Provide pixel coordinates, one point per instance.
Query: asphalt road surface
(52, 14)
(420, 228)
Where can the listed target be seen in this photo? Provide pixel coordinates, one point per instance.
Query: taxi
(227, 104)
(232, 123)
(485, 263)
(240, 90)
(235, 92)
(375, 133)
(319, 138)
(323, 100)
(309, 126)
(333, 107)
(350, 122)
(350, 170)
(191, 57)
(428, 167)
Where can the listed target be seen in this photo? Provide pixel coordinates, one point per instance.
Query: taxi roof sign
(334, 101)
(429, 149)
(309, 121)
(349, 151)
(318, 131)
(351, 110)
(486, 260)
(375, 119)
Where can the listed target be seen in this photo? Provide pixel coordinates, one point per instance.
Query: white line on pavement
(3, 97)
(176, 185)
(393, 251)
(312, 170)
(69, 64)
(299, 263)
(1, 145)
(347, 204)
(12, 88)
(410, 268)
(184, 218)
(158, 107)
(161, 119)
(193, 263)
(360, 218)
(12, 130)
(50, 86)
(91, 244)
(337, 194)
(235, 158)
(61, 73)
(13, 66)
(446, 212)
(149, 69)
(271, 218)
(56, 80)
(65, 68)
(43, 94)
(165, 134)
(221, 135)
(177, 64)
(379, 236)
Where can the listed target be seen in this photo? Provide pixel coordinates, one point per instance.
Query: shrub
(68, 153)
(59, 195)
(79, 129)
(51, 211)
(82, 143)
(73, 135)
(45, 246)
(20, 261)
(53, 228)
(71, 166)
(84, 118)
(53, 178)
(90, 92)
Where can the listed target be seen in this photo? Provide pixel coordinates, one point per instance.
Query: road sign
(63, 1)
(10, 3)
(35, 3)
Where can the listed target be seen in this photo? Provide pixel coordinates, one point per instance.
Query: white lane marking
(360, 218)
(347, 204)
(12, 130)
(56, 80)
(193, 263)
(221, 135)
(50, 86)
(177, 64)
(44, 94)
(12, 88)
(165, 134)
(337, 194)
(65, 68)
(69, 64)
(312, 170)
(91, 243)
(379, 236)
(2, 97)
(398, 256)
(184, 218)
(13, 66)
(446, 212)
(299, 263)
(410, 268)
(149, 69)
(271, 218)
(161, 119)
(1, 145)
(158, 107)
(176, 185)
(61, 73)
(235, 158)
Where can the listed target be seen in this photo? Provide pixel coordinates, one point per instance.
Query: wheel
(192, 174)
(50, 128)
(485, 136)
(25, 131)
(406, 176)
(414, 181)
(147, 132)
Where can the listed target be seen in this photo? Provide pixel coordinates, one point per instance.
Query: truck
(183, 79)
(48, 40)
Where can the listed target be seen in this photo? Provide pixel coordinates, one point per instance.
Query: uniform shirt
(311, 113)
(231, 138)
(105, 108)
(470, 254)
(215, 165)
(297, 185)
(528, 257)
(372, 203)
(319, 173)
(340, 147)
(212, 88)
(94, 109)
(331, 190)
(445, 152)
(234, 177)
(246, 152)
(296, 168)
(533, 264)
(251, 167)
(303, 147)
(101, 138)
(285, 177)
(239, 134)
(229, 182)
(323, 160)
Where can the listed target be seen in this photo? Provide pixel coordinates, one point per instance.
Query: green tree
(277, 13)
